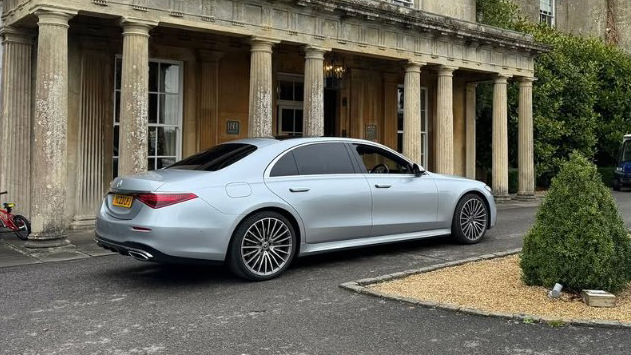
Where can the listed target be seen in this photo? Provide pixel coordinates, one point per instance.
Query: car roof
(294, 141)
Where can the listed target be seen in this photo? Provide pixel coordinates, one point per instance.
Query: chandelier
(334, 71)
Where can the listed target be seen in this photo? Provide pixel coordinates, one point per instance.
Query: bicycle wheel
(23, 227)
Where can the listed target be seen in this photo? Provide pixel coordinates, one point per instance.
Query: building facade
(99, 88)
(609, 20)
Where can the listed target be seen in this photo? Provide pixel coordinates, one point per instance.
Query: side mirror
(418, 172)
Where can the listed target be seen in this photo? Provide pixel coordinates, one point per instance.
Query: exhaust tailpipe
(140, 255)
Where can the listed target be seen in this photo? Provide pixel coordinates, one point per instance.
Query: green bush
(579, 238)
(513, 180)
(607, 174)
(580, 100)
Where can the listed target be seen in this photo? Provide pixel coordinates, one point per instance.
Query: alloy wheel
(267, 246)
(473, 219)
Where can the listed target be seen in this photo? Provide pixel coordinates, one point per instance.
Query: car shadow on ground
(383, 250)
(194, 275)
(171, 275)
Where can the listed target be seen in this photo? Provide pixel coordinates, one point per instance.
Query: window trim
(288, 104)
(353, 155)
(551, 15)
(180, 124)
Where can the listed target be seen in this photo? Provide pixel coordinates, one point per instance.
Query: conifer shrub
(579, 238)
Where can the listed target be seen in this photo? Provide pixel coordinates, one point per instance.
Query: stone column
(133, 150)
(15, 138)
(49, 144)
(500, 139)
(445, 122)
(470, 131)
(412, 112)
(526, 145)
(314, 92)
(260, 114)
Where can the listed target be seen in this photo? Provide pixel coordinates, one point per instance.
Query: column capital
(526, 80)
(138, 27)
(501, 79)
(262, 44)
(313, 52)
(16, 35)
(472, 86)
(446, 70)
(53, 16)
(413, 66)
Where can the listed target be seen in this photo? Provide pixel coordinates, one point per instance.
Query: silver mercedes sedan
(259, 203)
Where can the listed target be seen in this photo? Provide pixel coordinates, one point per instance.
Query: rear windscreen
(215, 158)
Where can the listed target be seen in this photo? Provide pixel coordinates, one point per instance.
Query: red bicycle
(17, 223)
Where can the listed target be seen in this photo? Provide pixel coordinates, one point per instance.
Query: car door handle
(383, 186)
(299, 189)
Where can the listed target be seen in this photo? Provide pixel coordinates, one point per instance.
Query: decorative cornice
(424, 21)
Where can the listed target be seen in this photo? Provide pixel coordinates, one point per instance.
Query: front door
(402, 202)
(320, 182)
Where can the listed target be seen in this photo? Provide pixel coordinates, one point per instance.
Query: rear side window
(285, 166)
(215, 158)
(323, 158)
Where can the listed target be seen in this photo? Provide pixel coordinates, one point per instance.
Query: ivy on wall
(582, 98)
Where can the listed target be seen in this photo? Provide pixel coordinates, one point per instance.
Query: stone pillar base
(42, 242)
(525, 197)
(502, 198)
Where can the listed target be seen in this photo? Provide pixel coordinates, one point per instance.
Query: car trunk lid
(121, 203)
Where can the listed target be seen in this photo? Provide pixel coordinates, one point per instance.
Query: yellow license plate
(122, 201)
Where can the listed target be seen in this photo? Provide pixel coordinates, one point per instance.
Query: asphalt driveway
(116, 305)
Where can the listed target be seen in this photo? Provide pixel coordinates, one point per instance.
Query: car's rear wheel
(262, 247)
(470, 220)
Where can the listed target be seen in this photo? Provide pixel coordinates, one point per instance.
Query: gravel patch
(494, 287)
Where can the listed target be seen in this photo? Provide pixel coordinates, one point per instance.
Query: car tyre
(262, 246)
(470, 220)
(616, 184)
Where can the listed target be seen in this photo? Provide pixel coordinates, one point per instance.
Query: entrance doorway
(330, 112)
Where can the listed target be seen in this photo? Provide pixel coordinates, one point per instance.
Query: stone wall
(623, 23)
(460, 9)
(586, 17)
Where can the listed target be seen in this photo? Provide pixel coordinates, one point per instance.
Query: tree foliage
(581, 98)
(579, 238)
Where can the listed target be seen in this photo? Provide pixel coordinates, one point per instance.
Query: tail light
(162, 200)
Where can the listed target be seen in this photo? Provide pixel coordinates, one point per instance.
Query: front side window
(215, 158)
(323, 159)
(380, 161)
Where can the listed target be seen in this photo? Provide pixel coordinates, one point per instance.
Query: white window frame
(404, 3)
(547, 17)
(424, 122)
(180, 118)
(289, 104)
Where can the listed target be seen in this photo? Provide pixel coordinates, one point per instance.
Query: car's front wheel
(262, 247)
(470, 220)
(616, 184)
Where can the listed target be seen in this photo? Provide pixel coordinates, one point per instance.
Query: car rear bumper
(190, 230)
(146, 253)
